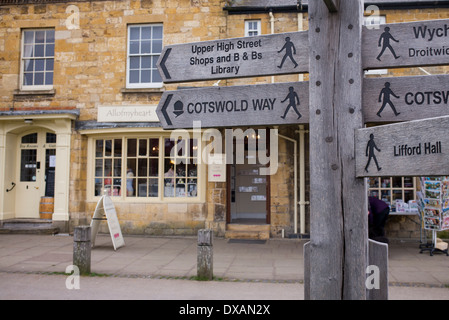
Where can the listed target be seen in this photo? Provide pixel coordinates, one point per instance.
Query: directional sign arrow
(285, 53)
(270, 104)
(415, 148)
(405, 98)
(422, 43)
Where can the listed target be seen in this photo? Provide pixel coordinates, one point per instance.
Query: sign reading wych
(405, 98)
(422, 43)
(269, 104)
(285, 53)
(415, 148)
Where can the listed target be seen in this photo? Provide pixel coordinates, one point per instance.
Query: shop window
(38, 50)
(28, 165)
(108, 167)
(153, 167)
(393, 189)
(252, 28)
(144, 49)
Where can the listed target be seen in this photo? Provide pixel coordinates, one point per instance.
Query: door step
(27, 226)
(248, 232)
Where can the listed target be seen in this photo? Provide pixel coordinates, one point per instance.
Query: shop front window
(152, 168)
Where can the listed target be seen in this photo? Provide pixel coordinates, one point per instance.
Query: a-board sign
(422, 43)
(405, 98)
(105, 210)
(269, 104)
(284, 53)
(414, 148)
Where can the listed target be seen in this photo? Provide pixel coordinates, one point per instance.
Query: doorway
(35, 174)
(248, 191)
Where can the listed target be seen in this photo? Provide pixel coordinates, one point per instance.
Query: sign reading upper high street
(269, 104)
(277, 54)
(405, 98)
(414, 148)
(422, 43)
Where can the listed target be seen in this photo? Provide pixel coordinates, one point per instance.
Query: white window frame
(161, 198)
(23, 59)
(249, 28)
(154, 55)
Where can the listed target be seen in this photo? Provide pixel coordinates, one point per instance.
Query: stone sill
(143, 90)
(24, 93)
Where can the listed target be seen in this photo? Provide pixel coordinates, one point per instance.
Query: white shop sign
(145, 113)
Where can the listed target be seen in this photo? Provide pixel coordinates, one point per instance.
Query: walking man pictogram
(293, 102)
(370, 147)
(290, 50)
(387, 93)
(384, 41)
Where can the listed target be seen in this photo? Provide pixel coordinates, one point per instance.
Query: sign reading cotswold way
(422, 43)
(405, 98)
(276, 54)
(415, 148)
(270, 104)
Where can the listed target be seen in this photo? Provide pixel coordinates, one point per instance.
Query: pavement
(274, 268)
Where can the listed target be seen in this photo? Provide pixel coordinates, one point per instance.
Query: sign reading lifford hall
(415, 148)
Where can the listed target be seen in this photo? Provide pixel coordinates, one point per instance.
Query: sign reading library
(415, 148)
(269, 104)
(423, 43)
(285, 53)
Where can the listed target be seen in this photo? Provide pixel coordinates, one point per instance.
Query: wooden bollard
(82, 249)
(205, 270)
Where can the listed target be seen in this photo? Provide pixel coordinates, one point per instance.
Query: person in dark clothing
(377, 218)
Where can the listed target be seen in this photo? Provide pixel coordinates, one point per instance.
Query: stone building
(78, 92)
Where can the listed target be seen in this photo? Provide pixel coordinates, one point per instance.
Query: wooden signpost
(275, 54)
(270, 104)
(405, 98)
(415, 148)
(423, 43)
(339, 254)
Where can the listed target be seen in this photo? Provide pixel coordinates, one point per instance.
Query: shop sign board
(269, 104)
(423, 43)
(400, 99)
(276, 54)
(414, 148)
(105, 210)
(138, 113)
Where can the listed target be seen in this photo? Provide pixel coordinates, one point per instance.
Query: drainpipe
(302, 179)
(295, 187)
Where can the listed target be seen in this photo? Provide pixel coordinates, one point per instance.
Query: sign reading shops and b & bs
(277, 54)
(423, 43)
(415, 148)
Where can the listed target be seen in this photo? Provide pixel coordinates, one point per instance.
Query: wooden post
(205, 260)
(82, 249)
(339, 215)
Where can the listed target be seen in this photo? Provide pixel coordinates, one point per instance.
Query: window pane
(169, 144)
(50, 36)
(117, 147)
(153, 188)
(134, 62)
(39, 78)
(156, 76)
(143, 167)
(49, 50)
(50, 138)
(134, 33)
(49, 64)
(134, 47)
(157, 32)
(99, 148)
(28, 165)
(48, 78)
(98, 168)
(29, 65)
(145, 47)
(40, 37)
(30, 138)
(154, 147)
(143, 147)
(39, 50)
(29, 37)
(132, 148)
(154, 168)
(108, 167)
(28, 79)
(39, 64)
(146, 62)
(134, 76)
(157, 46)
(142, 187)
(146, 33)
(108, 148)
(145, 76)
